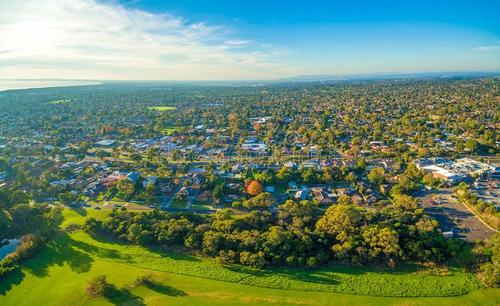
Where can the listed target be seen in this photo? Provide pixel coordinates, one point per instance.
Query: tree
(150, 192)
(253, 259)
(92, 226)
(361, 164)
(381, 240)
(98, 286)
(296, 215)
(254, 188)
(342, 223)
(18, 197)
(101, 154)
(283, 174)
(472, 145)
(136, 157)
(4, 166)
(264, 177)
(344, 200)
(413, 173)
(356, 141)
(66, 197)
(489, 272)
(212, 242)
(126, 186)
(377, 176)
(463, 186)
(261, 201)
(133, 232)
(429, 180)
(351, 178)
(4, 220)
(407, 184)
(405, 201)
(308, 175)
(218, 192)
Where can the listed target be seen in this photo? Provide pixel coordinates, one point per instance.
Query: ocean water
(25, 84)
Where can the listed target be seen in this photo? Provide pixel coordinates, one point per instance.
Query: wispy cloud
(486, 48)
(90, 39)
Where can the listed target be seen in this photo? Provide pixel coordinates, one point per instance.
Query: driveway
(166, 201)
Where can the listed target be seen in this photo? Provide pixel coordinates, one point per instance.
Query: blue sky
(210, 39)
(360, 36)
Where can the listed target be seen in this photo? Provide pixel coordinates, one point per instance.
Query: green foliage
(377, 176)
(298, 235)
(489, 271)
(162, 108)
(28, 246)
(486, 210)
(71, 261)
(261, 201)
(98, 286)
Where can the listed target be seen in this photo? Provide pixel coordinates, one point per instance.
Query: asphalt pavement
(454, 216)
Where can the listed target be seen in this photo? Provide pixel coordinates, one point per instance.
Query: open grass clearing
(49, 280)
(169, 130)
(178, 204)
(62, 101)
(201, 206)
(162, 108)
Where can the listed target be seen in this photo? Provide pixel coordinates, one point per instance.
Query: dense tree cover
(489, 253)
(21, 219)
(412, 115)
(413, 118)
(34, 224)
(299, 234)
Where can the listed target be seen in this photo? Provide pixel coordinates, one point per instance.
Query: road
(127, 205)
(453, 215)
(166, 201)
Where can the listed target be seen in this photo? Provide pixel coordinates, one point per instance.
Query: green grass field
(162, 108)
(55, 102)
(169, 130)
(58, 276)
(201, 206)
(178, 204)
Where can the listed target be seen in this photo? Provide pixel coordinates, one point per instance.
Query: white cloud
(486, 48)
(92, 40)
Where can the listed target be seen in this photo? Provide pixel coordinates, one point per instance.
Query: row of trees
(486, 210)
(299, 234)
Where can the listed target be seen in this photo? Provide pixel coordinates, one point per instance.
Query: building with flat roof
(106, 143)
(448, 177)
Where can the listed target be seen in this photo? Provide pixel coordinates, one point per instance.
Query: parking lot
(487, 191)
(454, 216)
